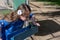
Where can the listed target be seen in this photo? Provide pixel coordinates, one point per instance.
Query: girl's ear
(19, 12)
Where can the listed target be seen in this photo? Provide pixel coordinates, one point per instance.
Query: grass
(4, 11)
(50, 2)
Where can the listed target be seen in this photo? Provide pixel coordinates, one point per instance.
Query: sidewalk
(52, 24)
(42, 7)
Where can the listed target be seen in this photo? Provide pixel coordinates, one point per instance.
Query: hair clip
(19, 12)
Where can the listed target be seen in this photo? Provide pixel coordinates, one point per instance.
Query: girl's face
(21, 15)
(24, 13)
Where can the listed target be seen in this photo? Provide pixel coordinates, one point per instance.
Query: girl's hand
(23, 18)
(0, 39)
(37, 24)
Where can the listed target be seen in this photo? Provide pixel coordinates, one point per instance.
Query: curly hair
(13, 15)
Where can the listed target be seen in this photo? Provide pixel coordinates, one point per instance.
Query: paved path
(42, 7)
(50, 28)
(52, 31)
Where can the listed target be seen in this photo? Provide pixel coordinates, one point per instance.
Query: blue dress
(10, 27)
(3, 24)
(14, 26)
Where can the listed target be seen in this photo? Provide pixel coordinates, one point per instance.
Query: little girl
(17, 19)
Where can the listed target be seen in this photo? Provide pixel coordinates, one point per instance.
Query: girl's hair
(24, 7)
(28, 7)
(13, 16)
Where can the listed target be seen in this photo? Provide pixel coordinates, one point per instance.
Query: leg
(16, 32)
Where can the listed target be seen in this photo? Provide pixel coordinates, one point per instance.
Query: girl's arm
(33, 21)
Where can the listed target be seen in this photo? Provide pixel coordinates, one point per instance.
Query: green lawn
(5, 11)
(52, 2)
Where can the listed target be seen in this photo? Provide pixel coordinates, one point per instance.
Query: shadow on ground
(47, 27)
(55, 13)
